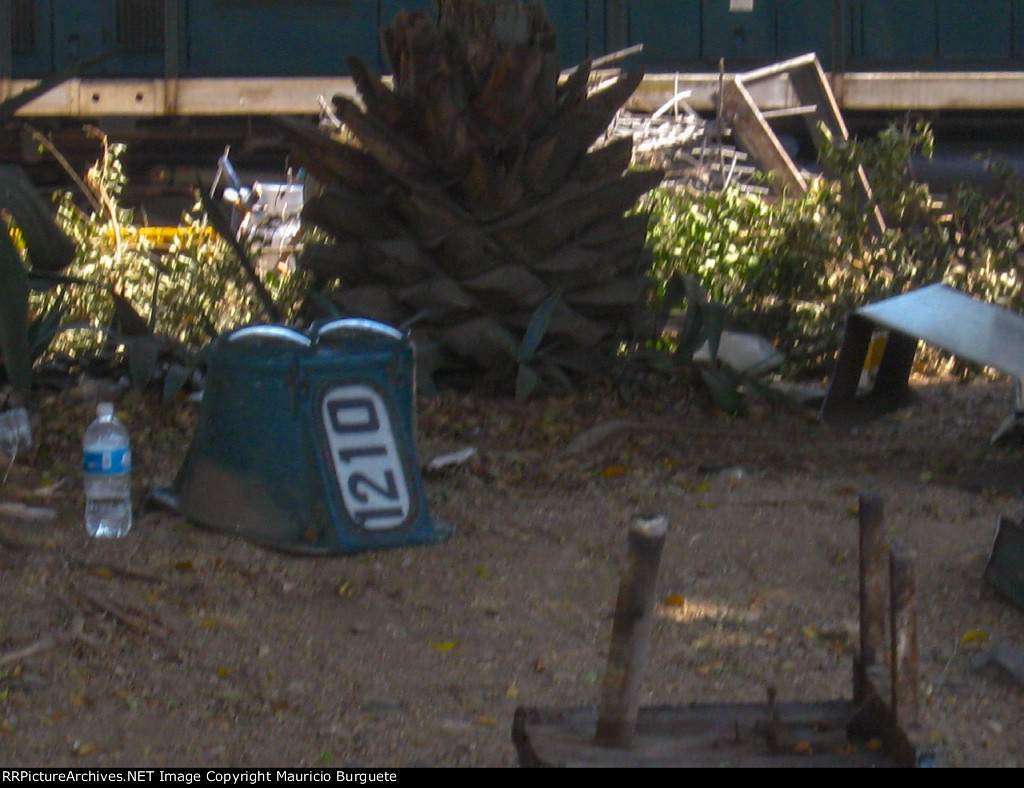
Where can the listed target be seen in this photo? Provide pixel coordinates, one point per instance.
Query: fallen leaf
(676, 600)
(715, 666)
(445, 645)
(613, 471)
(803, 748)
(974, 637)
(184, 566)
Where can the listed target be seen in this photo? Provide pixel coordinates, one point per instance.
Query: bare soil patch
(178, 646)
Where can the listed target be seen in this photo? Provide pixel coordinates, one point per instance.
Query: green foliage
(792, 269)
(151, 308)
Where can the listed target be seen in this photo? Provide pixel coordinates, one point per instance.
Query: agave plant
(469, 195)
(33, 251)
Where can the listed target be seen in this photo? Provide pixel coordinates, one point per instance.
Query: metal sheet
(974, 330)
(1005, 570)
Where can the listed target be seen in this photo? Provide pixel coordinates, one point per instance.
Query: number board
(367, 463)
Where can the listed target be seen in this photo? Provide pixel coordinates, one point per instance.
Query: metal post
(631, 633)
(903, 593)
(872, 588)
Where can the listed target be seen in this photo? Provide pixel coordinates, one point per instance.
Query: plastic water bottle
(108, 475)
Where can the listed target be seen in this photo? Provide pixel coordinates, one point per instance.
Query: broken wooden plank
(754, 134)
(631, 633)
(812, 87)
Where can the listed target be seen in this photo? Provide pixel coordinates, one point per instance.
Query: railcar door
(132, 31)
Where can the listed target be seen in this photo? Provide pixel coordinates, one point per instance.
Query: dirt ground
(177, 646)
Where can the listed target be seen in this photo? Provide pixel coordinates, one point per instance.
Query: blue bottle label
(112, 461)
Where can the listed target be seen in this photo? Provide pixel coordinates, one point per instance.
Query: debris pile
(695, 153)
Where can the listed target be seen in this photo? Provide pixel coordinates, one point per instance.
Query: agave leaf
(43, 329)
(537, 327)
(324, 304)
(526, 382)
(555, 372)
(682, 288)
(14, 316)
(143, 355)
(129, 322)
(40, 281)
(48, 247)
(723, 386)
(176, 377)
(715, 315)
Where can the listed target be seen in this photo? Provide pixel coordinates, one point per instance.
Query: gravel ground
(178, 646)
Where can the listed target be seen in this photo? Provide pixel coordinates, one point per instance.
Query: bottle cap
(105, 409)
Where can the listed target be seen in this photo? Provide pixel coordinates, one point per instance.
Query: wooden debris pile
(695, 152)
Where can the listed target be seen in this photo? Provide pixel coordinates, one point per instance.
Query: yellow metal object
(161, 237)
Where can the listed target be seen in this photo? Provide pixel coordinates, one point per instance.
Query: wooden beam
(757, 138)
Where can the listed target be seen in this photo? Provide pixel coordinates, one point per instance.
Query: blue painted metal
(804, 26)
(744, 39)
(268, 38)
(306, 442)
(975, 33)
(896, 35)
(671, 33)
(279, 39)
